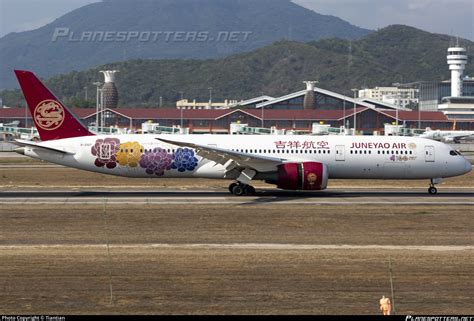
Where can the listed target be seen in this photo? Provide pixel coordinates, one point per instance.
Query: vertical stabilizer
(52, 118)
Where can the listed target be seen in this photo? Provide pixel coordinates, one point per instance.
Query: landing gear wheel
(231, 187)
(238, 190)
(249, 190)
(432, 190)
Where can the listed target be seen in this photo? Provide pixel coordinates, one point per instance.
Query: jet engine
(302, 176)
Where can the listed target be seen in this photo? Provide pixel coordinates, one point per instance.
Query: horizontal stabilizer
(25, 143)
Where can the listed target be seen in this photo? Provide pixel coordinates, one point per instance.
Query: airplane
(448, 136)
(289, 162)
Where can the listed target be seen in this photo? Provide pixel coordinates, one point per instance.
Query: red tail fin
(53, 120)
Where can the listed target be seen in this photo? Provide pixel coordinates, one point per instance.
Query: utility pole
(355, 115)
(181, 108)
(210, 96)
(102, 109)
(344, 118)
(391, 284)
(97, 105)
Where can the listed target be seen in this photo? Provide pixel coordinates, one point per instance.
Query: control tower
(457, 60)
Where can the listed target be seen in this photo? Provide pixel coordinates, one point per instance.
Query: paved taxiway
(208, 197)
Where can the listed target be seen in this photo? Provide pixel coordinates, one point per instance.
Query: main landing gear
(239, 189)
(432, 189)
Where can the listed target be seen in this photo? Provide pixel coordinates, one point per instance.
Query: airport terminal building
(297, 111)
(368, 119)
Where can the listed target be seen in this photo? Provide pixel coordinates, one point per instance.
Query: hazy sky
(454, 17)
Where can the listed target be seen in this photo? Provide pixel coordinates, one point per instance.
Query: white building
(402, 97)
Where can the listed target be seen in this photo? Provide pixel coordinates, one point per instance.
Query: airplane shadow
(261, 197)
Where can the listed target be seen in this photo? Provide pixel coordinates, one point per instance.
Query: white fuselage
(347, 157)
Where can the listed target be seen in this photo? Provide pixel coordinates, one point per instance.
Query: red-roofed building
(218, 121)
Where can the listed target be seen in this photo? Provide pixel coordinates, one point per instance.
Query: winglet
(52, 118)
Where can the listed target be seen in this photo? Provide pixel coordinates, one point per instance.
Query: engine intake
(303, 176)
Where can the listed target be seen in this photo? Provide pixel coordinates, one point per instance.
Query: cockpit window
(454, 153)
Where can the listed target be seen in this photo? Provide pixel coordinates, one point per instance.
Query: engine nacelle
(303, 176)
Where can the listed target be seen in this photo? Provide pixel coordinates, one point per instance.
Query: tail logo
(49, 115)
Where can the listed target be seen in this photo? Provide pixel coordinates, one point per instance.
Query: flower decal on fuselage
(156, 161)
(129, 154)
(106, 150)
(184, 160)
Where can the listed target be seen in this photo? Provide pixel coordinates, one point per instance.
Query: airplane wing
(25, 143)
(229, 158)
(456, 138)
(459, 136)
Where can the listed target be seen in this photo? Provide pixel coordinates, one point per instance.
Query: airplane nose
(468, 166)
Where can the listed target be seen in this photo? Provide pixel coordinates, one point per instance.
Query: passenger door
(340, 153)
(429, 154)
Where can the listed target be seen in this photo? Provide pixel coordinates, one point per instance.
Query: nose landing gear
(432, 189)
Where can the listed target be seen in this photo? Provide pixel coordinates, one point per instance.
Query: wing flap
(223, 156)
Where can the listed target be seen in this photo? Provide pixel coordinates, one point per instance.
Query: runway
(215, 197)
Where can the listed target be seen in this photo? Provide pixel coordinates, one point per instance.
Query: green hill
(164, 31)
(393, 54)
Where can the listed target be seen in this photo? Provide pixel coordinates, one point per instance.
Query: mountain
(393, 54)
(162, 29)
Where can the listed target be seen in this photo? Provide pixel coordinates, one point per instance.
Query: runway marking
(245, 246)
(217, 201)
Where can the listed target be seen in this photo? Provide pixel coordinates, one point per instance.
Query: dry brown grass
(251, 223)
(75, 280)
(161, 281)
